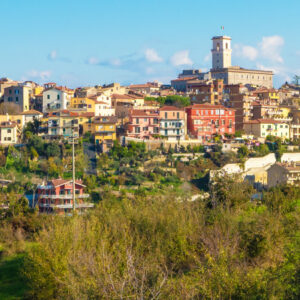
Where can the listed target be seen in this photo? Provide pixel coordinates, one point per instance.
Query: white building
(56, 98)
(8, 133)
(221, 52)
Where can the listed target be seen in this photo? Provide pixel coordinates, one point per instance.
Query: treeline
(225, 247)
(175, 100)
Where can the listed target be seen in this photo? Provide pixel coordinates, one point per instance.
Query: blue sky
(78, 43)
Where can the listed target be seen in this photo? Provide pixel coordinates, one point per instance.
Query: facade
(222, 69)
(172, 123)
(18, 95)
(264, 127)
(31, 115)
(57, 197)
(209, 91)
(63, 124)
(242, 103)
(148, 88)
(55, 98)
(8, 133)
(181, 84)
(83, 103)
(284, 173)
(143, 124)
(105, 128)
(221, 52)
(206, 120)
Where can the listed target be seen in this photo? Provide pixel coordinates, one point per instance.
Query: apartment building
(284, 173)
(56, 196)
(8, 133)
(206, 120)
(143, 124)
(55, 97)
(63, 124)
(206, 91)
(105, 128)
(18, 95)
(264, 127)
(172, 123)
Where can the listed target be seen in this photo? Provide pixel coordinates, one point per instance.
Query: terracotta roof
(87, 114)
(170, 108)
(144, 85)
(66, 112)
(185, 78)
(126, 97)
(58, 182)
(209, 106)
(144, 113)
(263, 121)
(31, 112)
(105, 119)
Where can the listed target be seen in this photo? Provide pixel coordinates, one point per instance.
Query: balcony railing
(69, 205)
(67, 196)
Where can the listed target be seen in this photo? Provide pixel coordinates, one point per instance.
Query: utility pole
(73, 171)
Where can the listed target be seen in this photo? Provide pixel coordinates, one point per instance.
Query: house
(8, 133)
(284, 173)
(148, 88)
(143, 124)
(172, 123)
(63, 123)
(264, 127)
(56, 196)
(31, 115)
(206, 120)
(82, 103)
(19, 96)
(55, 97)
(181, 84)
(105, 131)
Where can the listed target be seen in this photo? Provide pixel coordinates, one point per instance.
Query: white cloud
(270, 47)
(152, 56)
(37, 75)
(246, 51)
(92, 60)
(53, 55)
(207, 57)
(181, 58)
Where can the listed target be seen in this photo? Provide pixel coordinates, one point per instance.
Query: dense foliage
(175, 100)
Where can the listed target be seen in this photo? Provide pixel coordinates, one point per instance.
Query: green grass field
(12, 285)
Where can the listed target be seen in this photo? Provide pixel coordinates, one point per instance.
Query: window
(8, 130)
(17, 99)
(223, 122)
(166, 132)
(137, 129)
(89, 106)
(166, 124)
(137, 121)
(178, 115)
(48, 96)
(58, 97)
(17, 92)
(145, 120)
(166, 115)
(57, 105)
(10, 91)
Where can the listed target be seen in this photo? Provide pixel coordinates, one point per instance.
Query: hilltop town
(184, 190)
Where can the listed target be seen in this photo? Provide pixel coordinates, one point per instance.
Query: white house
(56, 98)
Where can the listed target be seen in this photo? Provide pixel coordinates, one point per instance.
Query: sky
(78, 43)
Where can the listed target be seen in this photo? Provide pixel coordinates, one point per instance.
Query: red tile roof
(31, 112)
(171, 108)
(143, 112)
(185, 78)
(58, 182)
(209, 106)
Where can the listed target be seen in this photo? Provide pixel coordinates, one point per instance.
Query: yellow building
(105, 132)
(271, 94)
(85, 104)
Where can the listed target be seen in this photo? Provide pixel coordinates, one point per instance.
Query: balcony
(67, 196)
(63, 206)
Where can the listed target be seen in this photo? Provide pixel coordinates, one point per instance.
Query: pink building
(143, 124)
(172, 123)
(56, 196)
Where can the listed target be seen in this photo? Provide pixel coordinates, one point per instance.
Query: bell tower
(221, 52)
